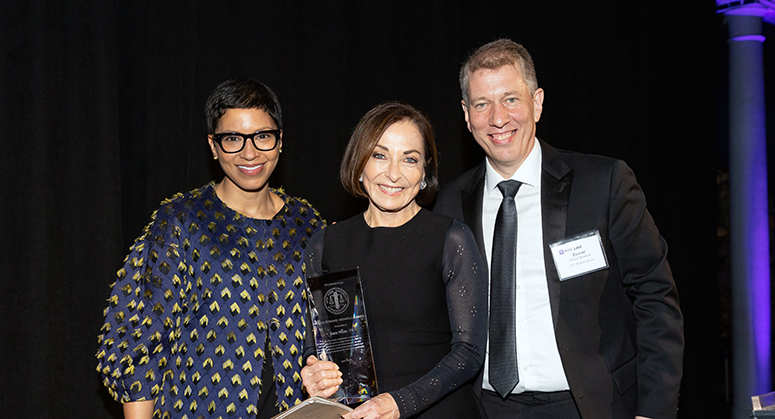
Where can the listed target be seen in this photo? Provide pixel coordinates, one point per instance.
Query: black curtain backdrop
(102, 118)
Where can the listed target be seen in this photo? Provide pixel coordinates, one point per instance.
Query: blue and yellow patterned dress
(201, 291)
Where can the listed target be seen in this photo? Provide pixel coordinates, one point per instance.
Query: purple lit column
(749, 212)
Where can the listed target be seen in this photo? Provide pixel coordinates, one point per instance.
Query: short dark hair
(495, 55)
(365, 138)
(241, 94)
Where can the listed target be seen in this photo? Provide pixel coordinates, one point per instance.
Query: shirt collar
(528, 173)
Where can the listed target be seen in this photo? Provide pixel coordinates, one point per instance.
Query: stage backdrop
(102, 117)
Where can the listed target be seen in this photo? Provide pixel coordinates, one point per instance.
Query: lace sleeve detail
(466, 287)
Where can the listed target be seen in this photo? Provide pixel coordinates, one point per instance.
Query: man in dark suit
(592, 324)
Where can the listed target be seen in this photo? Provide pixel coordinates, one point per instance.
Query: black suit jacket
(619, 331)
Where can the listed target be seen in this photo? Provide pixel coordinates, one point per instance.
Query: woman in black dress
(423, 279)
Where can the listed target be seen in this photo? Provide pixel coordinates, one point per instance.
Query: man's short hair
(366, 136)
(241, 94)
(495, 55)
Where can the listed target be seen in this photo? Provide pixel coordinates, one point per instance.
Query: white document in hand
(315, 408)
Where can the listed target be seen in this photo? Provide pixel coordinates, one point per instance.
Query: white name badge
(579, 255)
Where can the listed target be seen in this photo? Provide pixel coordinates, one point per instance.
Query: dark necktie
(504, 375)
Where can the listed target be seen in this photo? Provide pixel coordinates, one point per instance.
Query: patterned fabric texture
(201, 291)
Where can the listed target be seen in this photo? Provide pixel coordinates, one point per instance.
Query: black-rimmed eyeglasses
(234, 142)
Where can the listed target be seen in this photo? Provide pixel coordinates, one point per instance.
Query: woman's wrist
(139, 410)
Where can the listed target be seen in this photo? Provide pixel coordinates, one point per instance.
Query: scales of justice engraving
(336, 300)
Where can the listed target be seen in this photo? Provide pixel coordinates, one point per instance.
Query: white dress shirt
(540, 367)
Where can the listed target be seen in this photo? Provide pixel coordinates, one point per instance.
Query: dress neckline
(362, 218)
(279, 192)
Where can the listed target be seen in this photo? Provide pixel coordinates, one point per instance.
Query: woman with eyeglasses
(206, 317)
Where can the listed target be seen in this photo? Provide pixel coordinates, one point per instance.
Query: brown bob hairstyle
(365, 138)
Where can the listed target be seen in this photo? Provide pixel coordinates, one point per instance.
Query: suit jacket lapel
(471, 197)
(556, 182)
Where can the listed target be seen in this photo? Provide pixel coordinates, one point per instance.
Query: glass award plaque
(342, 333)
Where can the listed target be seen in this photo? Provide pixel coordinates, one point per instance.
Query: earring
(281, 151)
(215, 157)
(360, 179)
(423, 184)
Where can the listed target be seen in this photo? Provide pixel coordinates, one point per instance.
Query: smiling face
(394, 171)
(502, 116)
(247, 171)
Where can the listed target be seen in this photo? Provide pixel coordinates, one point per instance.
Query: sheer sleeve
(137, 334)
(466, 286)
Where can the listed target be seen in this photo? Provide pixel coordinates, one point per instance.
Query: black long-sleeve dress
(425, 296)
